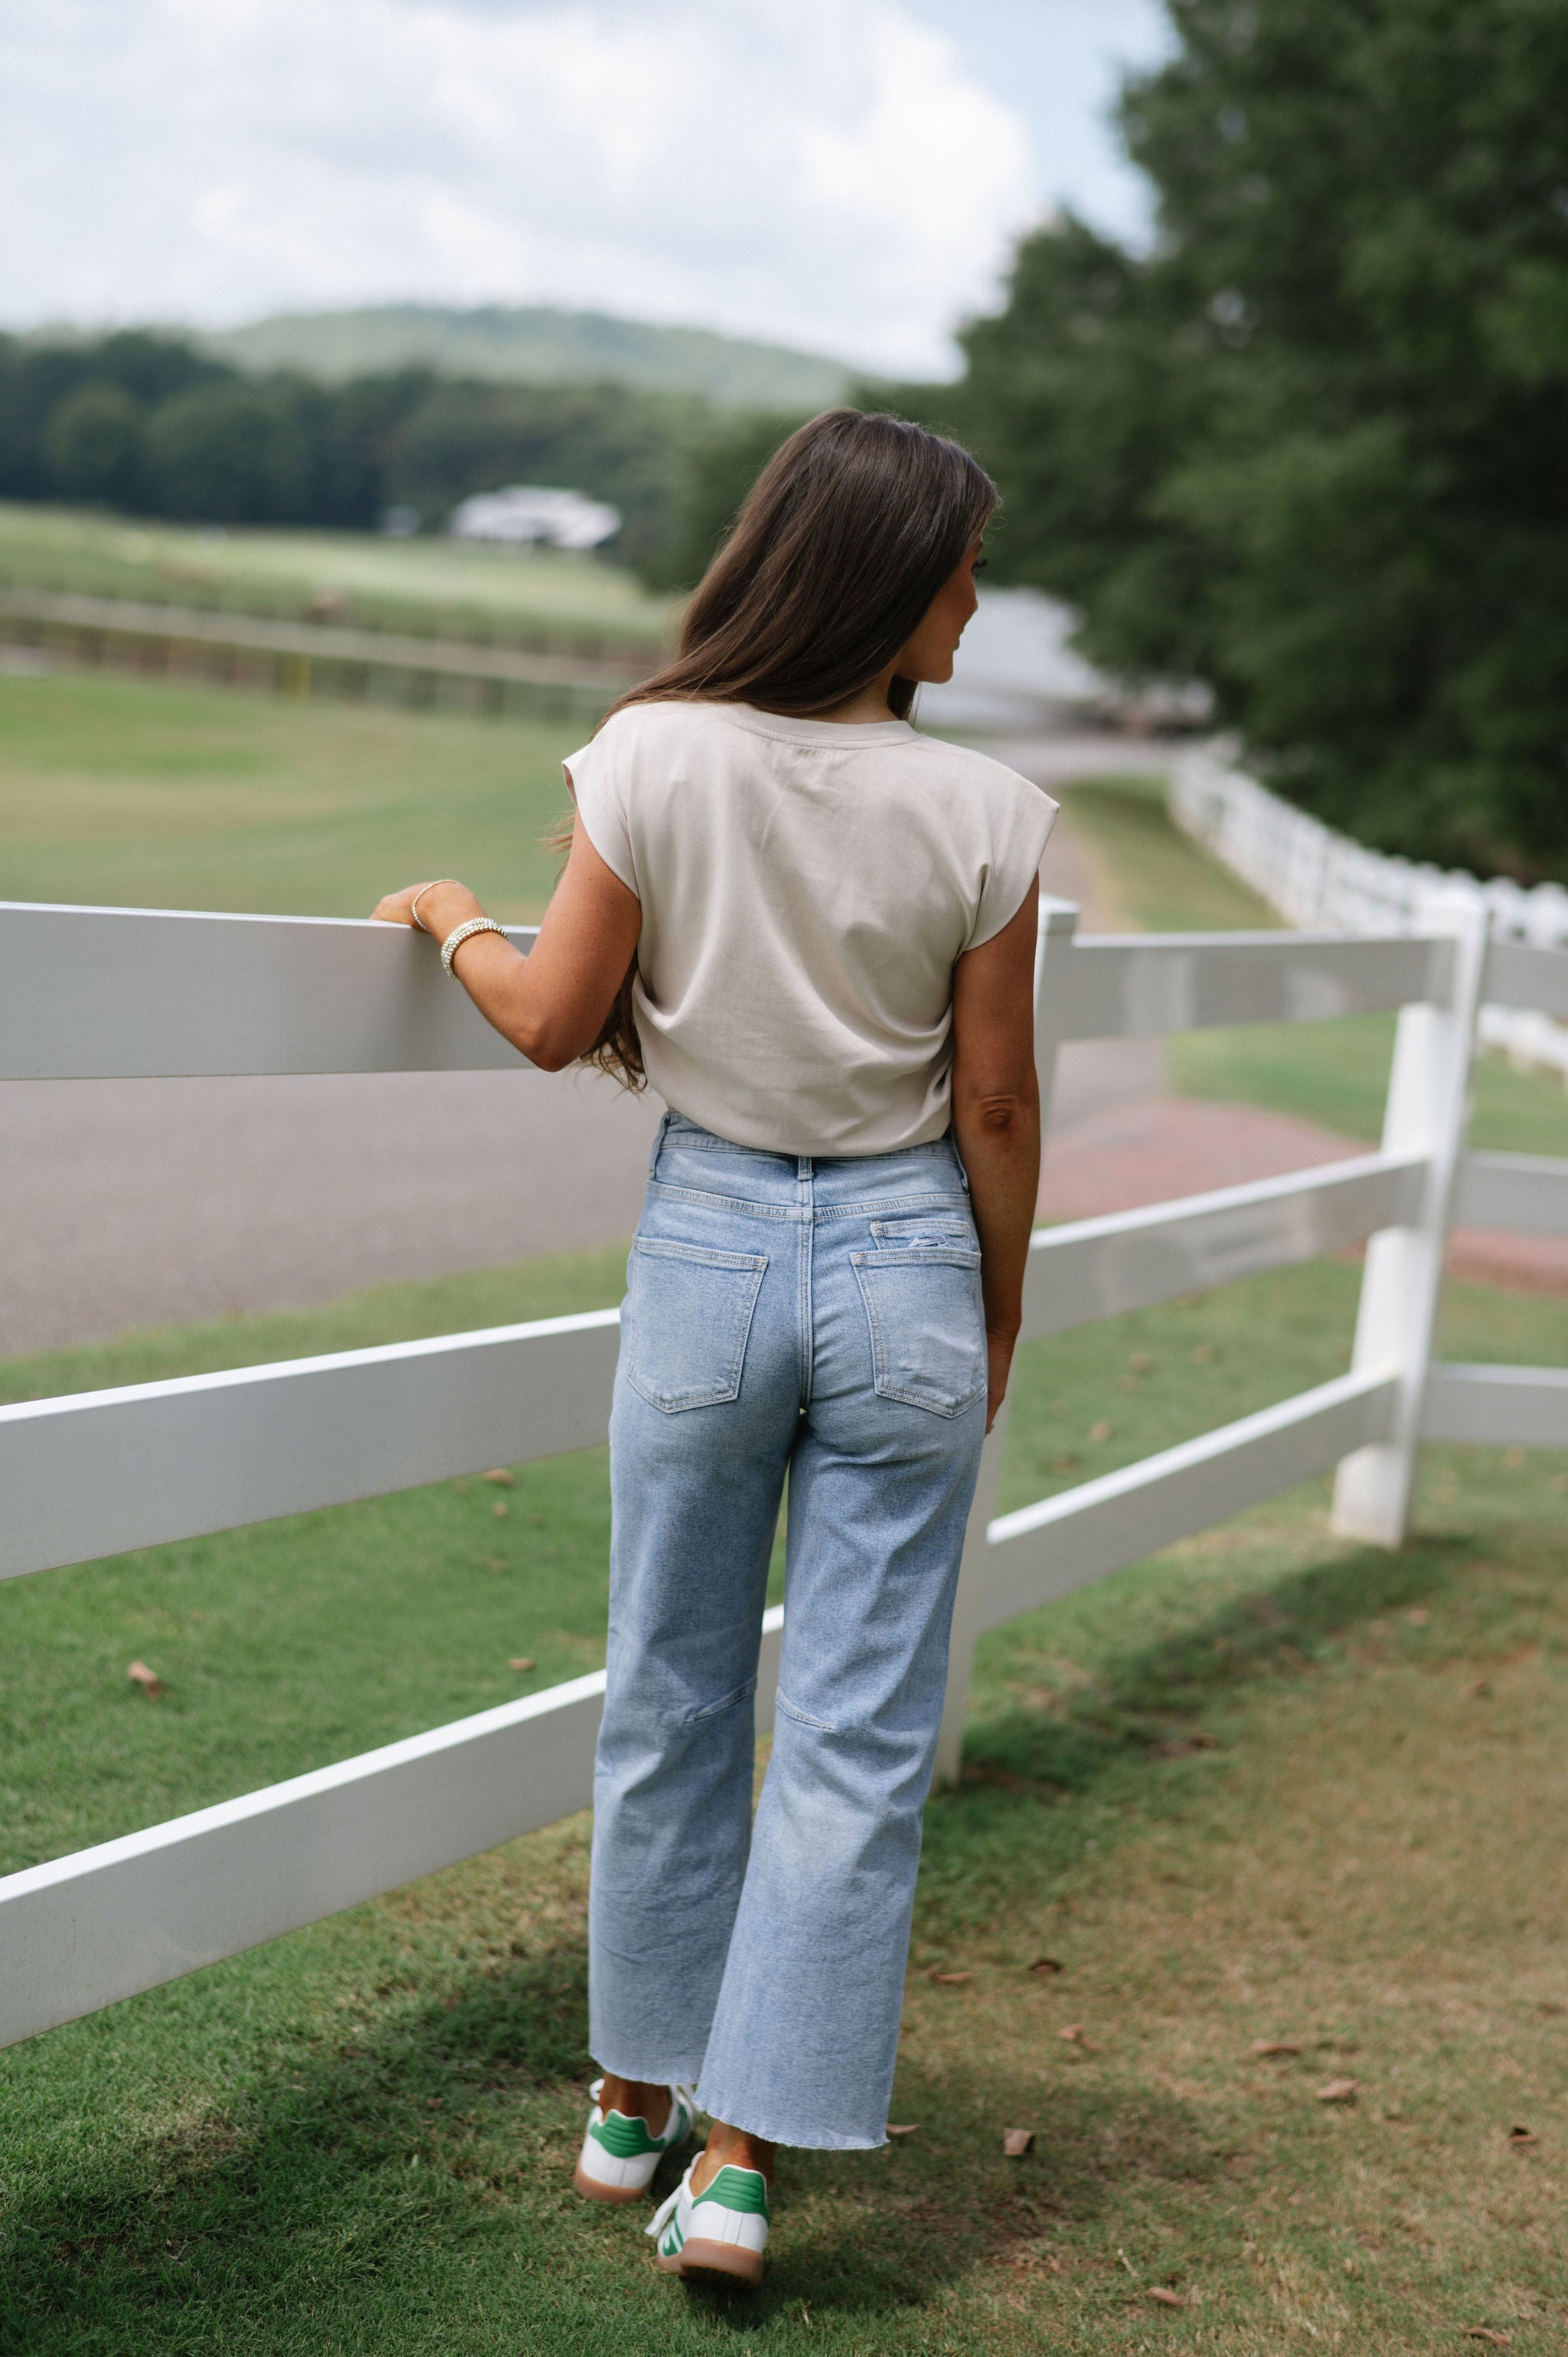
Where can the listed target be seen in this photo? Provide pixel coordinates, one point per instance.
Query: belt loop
(658, 1142)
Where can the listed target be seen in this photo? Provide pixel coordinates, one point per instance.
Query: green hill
(536, 345)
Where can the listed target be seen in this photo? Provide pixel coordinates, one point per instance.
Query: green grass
(357, 2139)
(1333, 1073)
(426, 586)
(123, 792)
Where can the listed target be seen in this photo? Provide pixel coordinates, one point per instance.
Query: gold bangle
(414, 916)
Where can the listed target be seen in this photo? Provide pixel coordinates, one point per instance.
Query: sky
(845, 175)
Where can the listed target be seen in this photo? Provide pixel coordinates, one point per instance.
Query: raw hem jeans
(819, 1320)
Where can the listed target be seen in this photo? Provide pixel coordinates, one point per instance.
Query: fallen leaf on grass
(1045, 1964)
(1100, 1431)
(1276, 2046)
(501, 1477)
(500, 1510)
(949, 1980)
(1201, 1354)
(1066, 1463)
(1140, 1362)
(1074, 2035)
(152, 1686)
(1016, 2142)
(1523, 2135)
(523, 1661)
(1478, 1690)
(1485, 2332)
(1164, 2298)
(1419, 1618)
(909, 2129)
(1513, 1459)
(1340, 2090)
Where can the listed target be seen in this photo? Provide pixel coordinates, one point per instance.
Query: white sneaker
(620, 2155)
(721, 2231)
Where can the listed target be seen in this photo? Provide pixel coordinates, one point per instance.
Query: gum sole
(697, 2257)
(591, 2191)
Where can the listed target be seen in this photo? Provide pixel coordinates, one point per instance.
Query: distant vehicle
(529, 515)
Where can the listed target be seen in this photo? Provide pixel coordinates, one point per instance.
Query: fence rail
(298, 658)
(130, 993)
(1314, 877)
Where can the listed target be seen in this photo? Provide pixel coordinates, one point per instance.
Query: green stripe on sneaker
(623, 2140)
(742, 2190)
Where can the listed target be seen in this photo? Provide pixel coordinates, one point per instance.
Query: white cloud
(823, 171)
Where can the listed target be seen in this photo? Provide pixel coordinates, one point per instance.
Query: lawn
(424, 585)
(128, 793)
(1250, 1790)
(1334, 1073)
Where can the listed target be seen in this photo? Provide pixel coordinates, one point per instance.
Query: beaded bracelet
(455, 938)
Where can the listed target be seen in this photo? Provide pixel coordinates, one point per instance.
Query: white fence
(1325, 881)
(116, 992)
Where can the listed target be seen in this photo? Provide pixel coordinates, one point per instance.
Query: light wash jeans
(819, 1319)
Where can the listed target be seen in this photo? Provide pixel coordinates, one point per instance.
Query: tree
(231, 453)
(719, 467)
(1312, 446)
(96, 441)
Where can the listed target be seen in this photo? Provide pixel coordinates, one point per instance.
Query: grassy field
(1249, 1790)
(1335, 1073)
(123, 792)
(426, 585)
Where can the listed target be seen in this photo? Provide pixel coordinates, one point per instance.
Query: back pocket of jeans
(927, 1327)
(687, 1317)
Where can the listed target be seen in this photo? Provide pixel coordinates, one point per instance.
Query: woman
(814, 931)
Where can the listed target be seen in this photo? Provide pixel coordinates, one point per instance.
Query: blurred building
(531, 515)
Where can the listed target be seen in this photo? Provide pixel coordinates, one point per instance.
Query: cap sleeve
(1020, 829)
(595, 780)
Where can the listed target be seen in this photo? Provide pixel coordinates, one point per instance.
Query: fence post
(1059, 921)
(1427, 1112)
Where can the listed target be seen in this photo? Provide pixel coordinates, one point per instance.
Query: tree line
(148, 425)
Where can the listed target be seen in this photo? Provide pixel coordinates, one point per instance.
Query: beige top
(807, 888)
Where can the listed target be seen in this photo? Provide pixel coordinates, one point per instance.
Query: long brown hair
(839, 548)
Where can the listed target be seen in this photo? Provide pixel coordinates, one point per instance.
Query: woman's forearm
(552, 1004)
(996, 1121)
(998, 1140)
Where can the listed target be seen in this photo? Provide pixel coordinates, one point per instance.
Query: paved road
(131, 1202)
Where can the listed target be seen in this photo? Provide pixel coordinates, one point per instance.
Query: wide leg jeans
(820, 1322)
